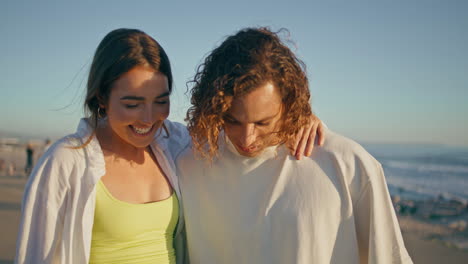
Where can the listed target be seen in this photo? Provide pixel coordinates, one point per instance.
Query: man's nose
(248, 135)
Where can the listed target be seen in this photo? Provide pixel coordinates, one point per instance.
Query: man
(245, 199)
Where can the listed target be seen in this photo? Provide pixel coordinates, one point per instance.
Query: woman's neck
(113, 145)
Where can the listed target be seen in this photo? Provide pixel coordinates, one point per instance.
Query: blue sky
(380, 71)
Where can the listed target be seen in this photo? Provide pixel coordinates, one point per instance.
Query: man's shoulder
(347, 162)
(342, 148)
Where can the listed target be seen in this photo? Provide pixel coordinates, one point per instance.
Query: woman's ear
(101, 102)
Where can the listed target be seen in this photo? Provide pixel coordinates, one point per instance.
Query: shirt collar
(161, 138)
(96, 163)
(225, 143)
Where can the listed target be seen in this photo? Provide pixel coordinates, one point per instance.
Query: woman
(108, 193)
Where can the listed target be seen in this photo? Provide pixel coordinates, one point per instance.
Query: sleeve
(43, 208)
(180, 244)
(378, 233)
(179, 137)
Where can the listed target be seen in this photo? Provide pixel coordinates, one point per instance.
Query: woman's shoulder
(177, 130)
(74, 145)
(175, 138)
(54, 168)
(68, 155)
(64, 153)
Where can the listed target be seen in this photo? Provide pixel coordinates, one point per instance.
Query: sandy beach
(11, 190)
(427, 241)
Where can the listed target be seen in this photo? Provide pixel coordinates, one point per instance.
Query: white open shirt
(59, 198)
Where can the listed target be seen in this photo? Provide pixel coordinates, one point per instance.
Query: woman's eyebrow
(140, 98)
(131, 97)
(163, 95)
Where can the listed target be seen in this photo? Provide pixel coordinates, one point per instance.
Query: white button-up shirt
(59, 198)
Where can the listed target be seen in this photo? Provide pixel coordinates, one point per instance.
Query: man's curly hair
(249, 59)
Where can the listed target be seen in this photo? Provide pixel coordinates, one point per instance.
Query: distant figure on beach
(109, 192)
(29, 159)
(245, 199)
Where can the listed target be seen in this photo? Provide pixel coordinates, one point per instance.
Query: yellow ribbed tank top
(133, 233)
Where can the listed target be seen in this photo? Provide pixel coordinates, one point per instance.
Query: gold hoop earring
(99, 113)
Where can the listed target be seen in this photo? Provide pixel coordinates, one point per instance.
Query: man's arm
(378, 233)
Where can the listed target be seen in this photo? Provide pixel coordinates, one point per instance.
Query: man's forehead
(249, 117)
(265, 92)
(260, 104)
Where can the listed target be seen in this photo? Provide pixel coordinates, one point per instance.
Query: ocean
(421, 172)
(415, 172)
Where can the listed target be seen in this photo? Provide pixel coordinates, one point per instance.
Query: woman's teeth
(141, 130)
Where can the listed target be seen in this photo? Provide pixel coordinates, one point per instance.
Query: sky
(379, 71)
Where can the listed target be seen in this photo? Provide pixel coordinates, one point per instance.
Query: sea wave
(424, 167)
